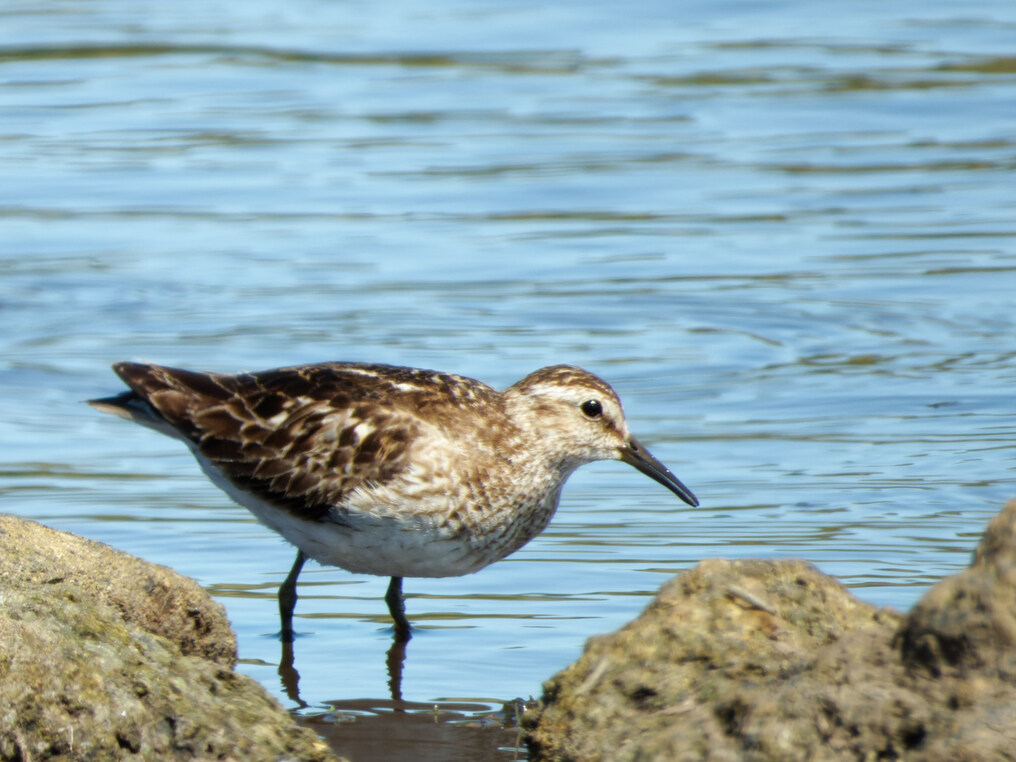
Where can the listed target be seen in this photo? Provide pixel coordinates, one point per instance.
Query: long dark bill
(637, 455)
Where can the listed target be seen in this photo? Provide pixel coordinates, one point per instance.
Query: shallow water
(785, 235)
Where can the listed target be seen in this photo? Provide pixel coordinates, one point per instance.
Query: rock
(758, 660)
(967, 623)
(105, 656)
(155, 598)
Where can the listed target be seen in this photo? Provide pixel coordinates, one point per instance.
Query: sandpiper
(385, 470)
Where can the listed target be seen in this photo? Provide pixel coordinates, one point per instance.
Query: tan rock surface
(760, 660)
(104, 656)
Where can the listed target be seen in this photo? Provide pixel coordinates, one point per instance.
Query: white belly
(386, 542)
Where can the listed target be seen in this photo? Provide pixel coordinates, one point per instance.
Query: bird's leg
(287, 597)
(397, 608)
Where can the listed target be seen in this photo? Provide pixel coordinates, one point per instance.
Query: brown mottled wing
(302, 438)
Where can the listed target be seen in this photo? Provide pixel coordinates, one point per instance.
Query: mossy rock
(104, 656)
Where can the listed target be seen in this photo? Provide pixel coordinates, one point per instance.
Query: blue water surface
(784, 231)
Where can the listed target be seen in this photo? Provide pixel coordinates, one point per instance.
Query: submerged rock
(105, 656)
(760, 660)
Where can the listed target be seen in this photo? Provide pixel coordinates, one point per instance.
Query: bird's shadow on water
(395, 729)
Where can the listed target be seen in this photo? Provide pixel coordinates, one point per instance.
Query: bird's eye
(591, 408)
